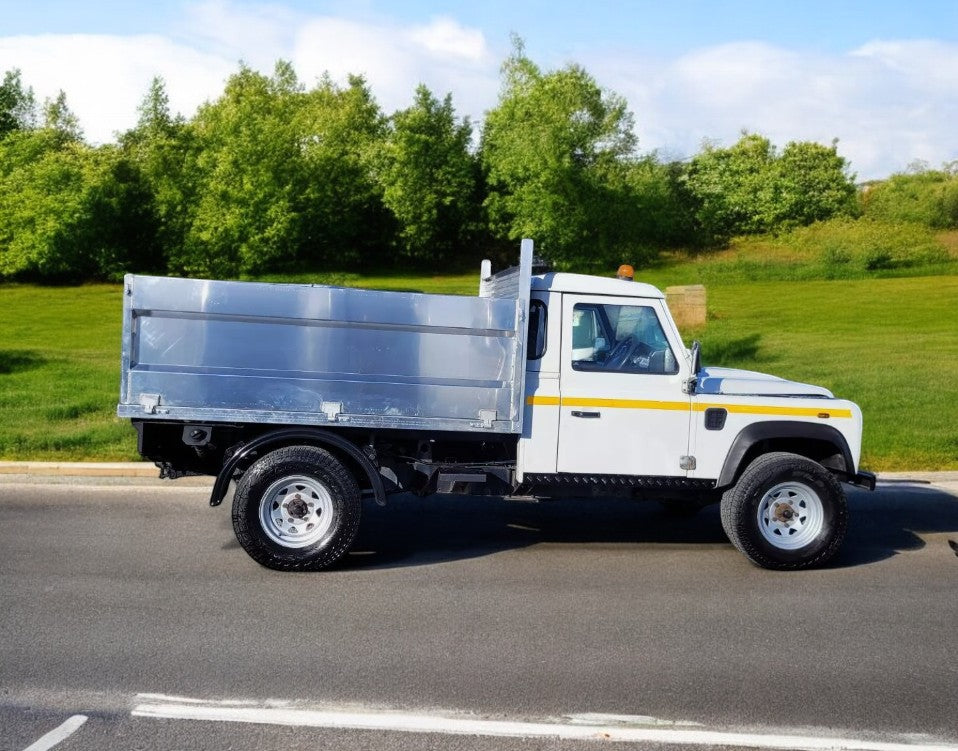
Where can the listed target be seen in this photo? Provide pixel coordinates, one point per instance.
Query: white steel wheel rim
(296, 511)
(790, 515)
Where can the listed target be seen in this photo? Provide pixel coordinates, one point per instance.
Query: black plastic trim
(780, 429)
(538, 351)
(715, 418)
(288, 436)
(655, 482)
(865, 480)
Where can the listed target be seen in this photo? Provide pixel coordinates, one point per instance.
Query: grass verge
(59, 374)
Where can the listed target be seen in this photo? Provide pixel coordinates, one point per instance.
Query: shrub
(929, 198)
(845, 247)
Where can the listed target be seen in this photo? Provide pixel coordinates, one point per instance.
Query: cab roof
(556, 281)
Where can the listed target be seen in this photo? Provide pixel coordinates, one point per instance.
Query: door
(622, 410)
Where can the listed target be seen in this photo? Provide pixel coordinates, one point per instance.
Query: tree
(749, 188)
(340, 132)
(814, 184)
(245, 217)
(733, 188)
(429, 178)
(17, 104)
(69, 212)
(162, 149)
(556, 152)
(661, 204)
(60, 120)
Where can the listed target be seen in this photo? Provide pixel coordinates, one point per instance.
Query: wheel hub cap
(296, 512)
(783, 513)
(297, 508)
(790, 515)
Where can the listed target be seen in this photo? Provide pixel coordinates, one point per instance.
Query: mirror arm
(689, 386)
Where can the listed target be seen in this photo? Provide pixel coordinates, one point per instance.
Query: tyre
(297, 509)
(786, 512)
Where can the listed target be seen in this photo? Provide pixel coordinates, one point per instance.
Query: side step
(453, 482)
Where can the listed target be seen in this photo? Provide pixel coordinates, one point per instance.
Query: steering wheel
(620, 353)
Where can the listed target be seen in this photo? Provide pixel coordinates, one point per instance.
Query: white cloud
(395, 59)
(106, 77)
(445, 37)
(888, 102)
(256, 34)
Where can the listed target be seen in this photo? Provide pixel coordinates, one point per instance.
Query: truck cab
(605, 360)
(611, 389)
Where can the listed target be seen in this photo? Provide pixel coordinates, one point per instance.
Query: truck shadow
(413, 531)
(893, 519)
(18, 360)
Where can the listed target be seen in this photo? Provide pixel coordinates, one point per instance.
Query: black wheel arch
(821, 443)
(280, 438)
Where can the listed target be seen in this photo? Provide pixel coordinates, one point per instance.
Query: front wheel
(785, 512)
(297, 509)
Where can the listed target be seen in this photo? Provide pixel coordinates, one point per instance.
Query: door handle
(577, 413)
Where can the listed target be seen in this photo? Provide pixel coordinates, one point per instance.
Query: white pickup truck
(309, 397)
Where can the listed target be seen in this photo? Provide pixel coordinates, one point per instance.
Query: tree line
(275, 176)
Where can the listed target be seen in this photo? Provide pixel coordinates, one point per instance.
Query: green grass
(890, 344)
(59, 374)
(453, 284)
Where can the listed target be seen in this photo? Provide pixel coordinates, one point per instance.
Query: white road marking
(190, 700)
(57, 735)
(602, 718)
(621, 729)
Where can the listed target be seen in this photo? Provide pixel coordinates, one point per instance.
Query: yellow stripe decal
(623, 403)
(543, 401)
(741, 409)
(753, 409)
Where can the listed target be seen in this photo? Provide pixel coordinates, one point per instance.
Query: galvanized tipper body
(244, 352)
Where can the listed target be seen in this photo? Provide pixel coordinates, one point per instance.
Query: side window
(538, 320)
(620, 338)
(585, 332)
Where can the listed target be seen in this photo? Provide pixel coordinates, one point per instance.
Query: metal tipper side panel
(306, 354)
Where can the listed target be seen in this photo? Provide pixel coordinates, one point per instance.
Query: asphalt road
(118, 597)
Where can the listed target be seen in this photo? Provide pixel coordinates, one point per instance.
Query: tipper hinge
(151, 404)
(332, 410)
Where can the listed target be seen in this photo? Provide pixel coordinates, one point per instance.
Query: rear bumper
(863, 480)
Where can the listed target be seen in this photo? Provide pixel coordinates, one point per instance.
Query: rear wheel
(786, 512)
(297, 509)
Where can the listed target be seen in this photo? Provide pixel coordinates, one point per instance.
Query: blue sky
(560, 26)
(882, 77)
